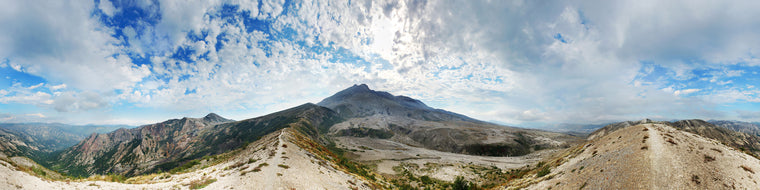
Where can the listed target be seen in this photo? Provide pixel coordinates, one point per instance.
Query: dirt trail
(663, 162)
(276, 160)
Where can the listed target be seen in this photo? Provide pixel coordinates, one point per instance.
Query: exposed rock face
(11, 145)
(744, 127)
(131, 151)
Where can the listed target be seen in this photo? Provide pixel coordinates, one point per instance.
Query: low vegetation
(366, 132)
(748, 169)
(543, 172)
(201, 183)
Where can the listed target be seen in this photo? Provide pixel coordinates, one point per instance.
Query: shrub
(426, 180)
(747, 169)
(709, 158)
(461, 184)
(544, 171)
(236, 165)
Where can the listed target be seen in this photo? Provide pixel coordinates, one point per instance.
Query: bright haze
(521, 63)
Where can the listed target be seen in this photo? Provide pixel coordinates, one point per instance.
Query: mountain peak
(360, 101)
(357, 88)
(212, 115)
(214, 118)
(360, 87)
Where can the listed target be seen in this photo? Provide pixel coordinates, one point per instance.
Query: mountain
(401, 119)
(11, 144)
(49, 137)
(740, 126)
(749, 143)
(352, 139)
(215, 119)
(169, 144)
(614, 127)
(574, 129)
(360, 101)
(687, 154)
(283, 159)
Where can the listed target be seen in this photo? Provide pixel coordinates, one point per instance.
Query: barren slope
(651, 156)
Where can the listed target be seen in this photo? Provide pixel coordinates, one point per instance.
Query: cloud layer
(524, 63)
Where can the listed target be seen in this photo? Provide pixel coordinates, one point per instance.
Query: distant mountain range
(49, 137)
(395, 135)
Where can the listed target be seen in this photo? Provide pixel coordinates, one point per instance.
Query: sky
(514, 62)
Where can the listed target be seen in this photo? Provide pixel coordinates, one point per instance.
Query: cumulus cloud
(107, 7)
(84, 101)
(25, 95)
(77, 51)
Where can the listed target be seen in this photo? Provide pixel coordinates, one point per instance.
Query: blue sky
(520, 63)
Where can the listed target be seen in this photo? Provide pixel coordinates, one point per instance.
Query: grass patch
(200, 184)
(39, 171)
(283, 166)
(236, 165)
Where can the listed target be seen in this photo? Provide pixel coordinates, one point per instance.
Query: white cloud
(36, 115)
(685, 91)
(35, 86)
(57, 87)
(73, 102)
(107, 7)
(27, 97)
(76, 51)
